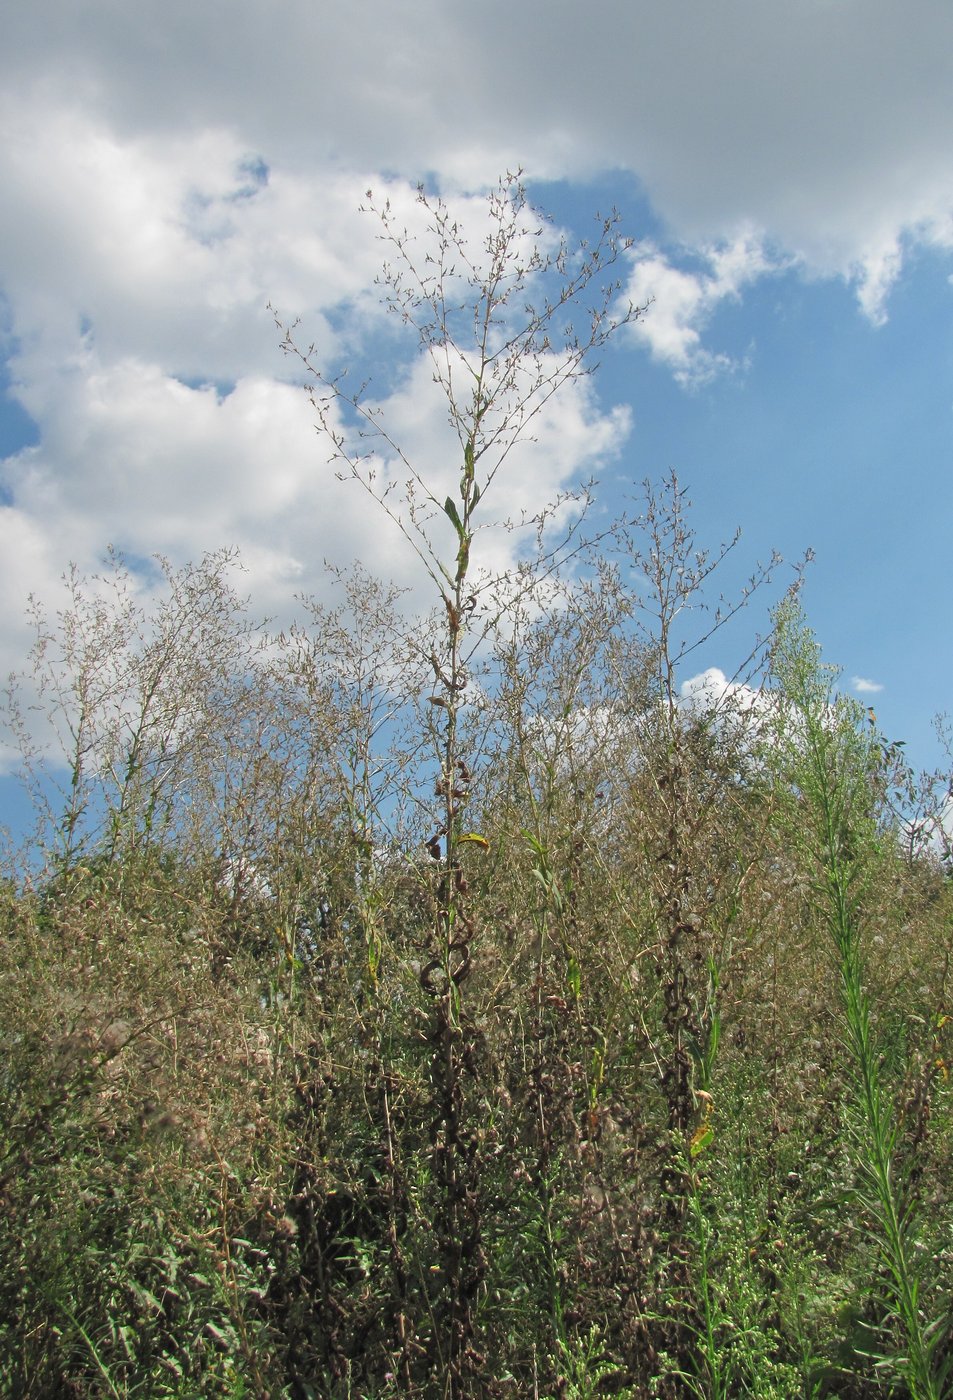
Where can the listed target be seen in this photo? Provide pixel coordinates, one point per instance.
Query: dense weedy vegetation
(452, 1008)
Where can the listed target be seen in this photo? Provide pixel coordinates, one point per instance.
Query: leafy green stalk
(831, 758)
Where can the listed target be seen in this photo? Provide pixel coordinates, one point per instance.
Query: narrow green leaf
(532, 842)
(451, 512)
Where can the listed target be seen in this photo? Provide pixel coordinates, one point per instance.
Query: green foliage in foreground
(700, 1140)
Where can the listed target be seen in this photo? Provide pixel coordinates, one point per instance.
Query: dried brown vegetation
(454, 1009)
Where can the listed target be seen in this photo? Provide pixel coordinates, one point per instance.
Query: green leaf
(468, 464)
(533, 843)
(450, 511)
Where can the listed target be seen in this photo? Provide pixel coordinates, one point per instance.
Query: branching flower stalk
(499, 357)
(687, 753)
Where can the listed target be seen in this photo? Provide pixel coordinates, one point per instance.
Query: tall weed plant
(833, 763)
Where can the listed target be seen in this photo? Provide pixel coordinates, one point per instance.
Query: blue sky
(783, 169)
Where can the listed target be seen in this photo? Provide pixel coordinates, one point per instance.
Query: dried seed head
(115, 1036)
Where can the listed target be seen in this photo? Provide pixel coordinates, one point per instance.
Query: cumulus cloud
(169, 249)
(680, 302)
(864, 686)
(133, 456)
(711, 691)
(137, 272)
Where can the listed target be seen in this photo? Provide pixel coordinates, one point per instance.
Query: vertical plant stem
(831, 762)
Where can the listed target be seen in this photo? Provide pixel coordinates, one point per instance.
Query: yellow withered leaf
(474, 839)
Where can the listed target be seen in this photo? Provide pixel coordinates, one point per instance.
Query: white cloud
(29, 562)
(571, 437)
(138, 272)
(132, 456)
(712, 691)
(165, 174)
(168, 249)
(816, 121)
(682, 302)
(865, 687)
(875, 274)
